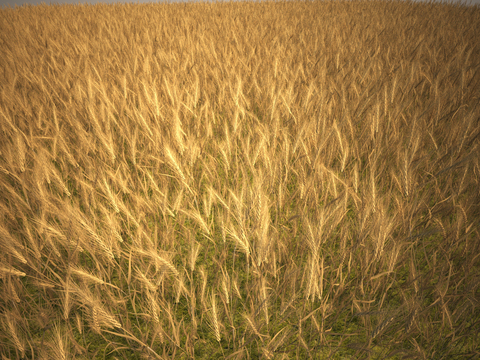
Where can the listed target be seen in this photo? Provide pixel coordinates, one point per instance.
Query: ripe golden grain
(13, 332)
(252, 325)
(237, 150)
(214, 321)
(5, 269)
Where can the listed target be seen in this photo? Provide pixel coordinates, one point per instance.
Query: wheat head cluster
(240, 180)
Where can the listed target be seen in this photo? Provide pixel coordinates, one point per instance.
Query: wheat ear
(214, 323)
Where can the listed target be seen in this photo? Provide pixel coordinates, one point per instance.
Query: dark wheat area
(240, 180)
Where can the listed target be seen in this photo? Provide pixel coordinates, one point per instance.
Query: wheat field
(238, 180)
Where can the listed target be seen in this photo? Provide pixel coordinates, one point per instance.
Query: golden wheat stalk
(253, 326)
(382, 326)
(226, 285)
(174, 162)
(95, 323)
(5, 269)
(21, 151)
(15, 336)
(111, 196)
(180, 288)
(94, 237)
(59, 343)
(8, 243)
(274, 343)
(243, 243)
(67, 302)
(86, 276)
(265, 297)
(195, 215)
(153, 306)
(79, 323)
(102, 317)
(160, 262)
(410, 320)
(312, 285)
(237, 290)
(11, 287)
(194, 250)
(213, 322)
(147, 284)
(204, 285)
